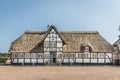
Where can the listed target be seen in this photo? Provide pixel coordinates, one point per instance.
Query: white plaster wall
(86, 60)
(108, 61)
(58, 39)
(58, 54)
(33, 60)
(59, 44)
(20, 60)
(109, 54)
(46, 60)
(72, 60)
(40, 60)
(52, 34)
(14, 60)
(47, 53)
(78, 60)
(93, 60)
(59, 49)
(100, 60)
(52, 39)
(27, 60)
(66, 60)
(60, 60)
(46, 39)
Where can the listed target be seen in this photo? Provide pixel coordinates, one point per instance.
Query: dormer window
(86, 49)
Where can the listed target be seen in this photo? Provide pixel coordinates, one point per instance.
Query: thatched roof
(32, 41)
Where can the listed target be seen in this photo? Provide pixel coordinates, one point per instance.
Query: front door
(52, 57)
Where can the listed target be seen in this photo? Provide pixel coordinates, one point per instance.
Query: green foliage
(4, 55)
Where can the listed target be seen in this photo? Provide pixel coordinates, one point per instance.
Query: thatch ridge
(89, 32)
(34, 32)
(84, 32)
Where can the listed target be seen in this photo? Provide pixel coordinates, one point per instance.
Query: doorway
(52, 57)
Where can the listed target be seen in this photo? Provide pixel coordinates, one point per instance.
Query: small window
(86, 56)
(33, 55)
(27, 55)
(46, 44)
(47, 56)
(94, 55)
(52, 36)
(66, 55)
(21, 55)
(101, 55)
(72, 55)
(86, 49)
(53, 44)
(40, 55)
(82, 55)
(14, 55)
(78, 55)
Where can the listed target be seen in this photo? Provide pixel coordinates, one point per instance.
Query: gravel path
(59, 73)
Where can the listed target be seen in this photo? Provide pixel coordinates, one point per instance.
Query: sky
(18, 16)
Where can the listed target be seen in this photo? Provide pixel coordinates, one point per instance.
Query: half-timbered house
(61, 47)
(116, 46)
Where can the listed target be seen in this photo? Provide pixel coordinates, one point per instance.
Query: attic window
(86, 49)
(52, 31)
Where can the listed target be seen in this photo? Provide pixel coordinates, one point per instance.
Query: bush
(4, 57)
(3, 60)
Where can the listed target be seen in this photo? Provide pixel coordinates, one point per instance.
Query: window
(33, 55)
(52, 31)
(94, 55)
(21, 55)
(53, 44)
(79, 55)
(72, 55)
(46, 44)
(14, 55)
(52, 36)
(66, 55)
(40, 55)
(47, 56)
(86, 49)
(27, 55)
(86, 56)
(101, 55)
(59, 56)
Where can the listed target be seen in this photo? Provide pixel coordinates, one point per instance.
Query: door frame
(52, 57)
